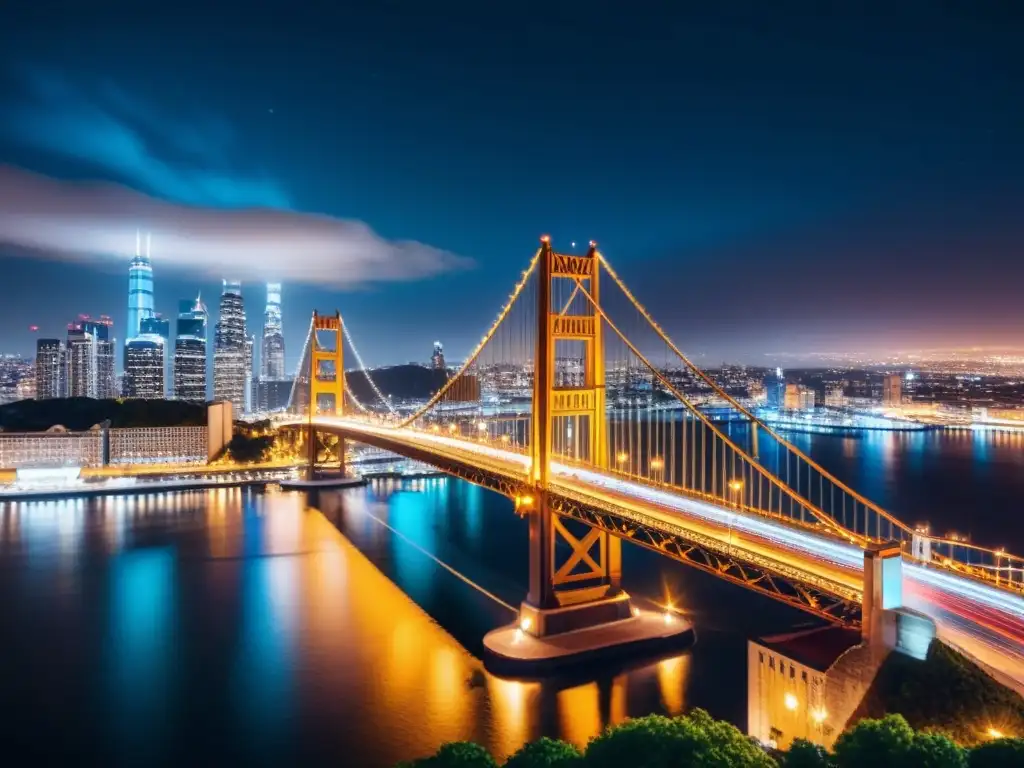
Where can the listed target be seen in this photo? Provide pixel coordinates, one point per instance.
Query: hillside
(81, 413)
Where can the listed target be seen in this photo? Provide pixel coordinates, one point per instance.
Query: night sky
(769, 177)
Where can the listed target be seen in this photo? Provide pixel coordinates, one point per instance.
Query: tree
(246, 450)
(804, 754)
(881, 743)
(546, 753)
(661, 742)
(1001, 753)
(455, 754)
(936, 750)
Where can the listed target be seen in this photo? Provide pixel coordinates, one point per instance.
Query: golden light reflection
(672, 675)
(512, 702)
(579, 717)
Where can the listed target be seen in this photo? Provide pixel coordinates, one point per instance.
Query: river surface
(231, 625)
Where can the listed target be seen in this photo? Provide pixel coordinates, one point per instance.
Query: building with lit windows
(190, 352)
(437, 359)
(272, 346)
(89, 359)
(50, 369)
(144, 367)
(892, 390)
(775, 389)
(230, 370)
(140, 289)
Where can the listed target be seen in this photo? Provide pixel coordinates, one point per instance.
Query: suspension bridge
(579, 407)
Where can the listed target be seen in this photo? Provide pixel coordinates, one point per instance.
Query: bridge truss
(574, 370)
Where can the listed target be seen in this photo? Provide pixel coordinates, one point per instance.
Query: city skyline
(863, 203)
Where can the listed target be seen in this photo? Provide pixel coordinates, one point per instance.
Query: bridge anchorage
(560, 408)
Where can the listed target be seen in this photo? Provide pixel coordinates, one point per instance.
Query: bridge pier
(575, 609)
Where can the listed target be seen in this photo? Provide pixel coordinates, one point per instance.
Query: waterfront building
(437, 359)
(835, 397)
(89, 359)
(798, 398)
(230, 370)
(144, 367)
(892, 390)
(272, 347)
(775, 389)
(190, 352)
(140, 289)
(50, 369)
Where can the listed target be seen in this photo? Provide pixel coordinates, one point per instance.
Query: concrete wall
(220, 428)
(785, 700)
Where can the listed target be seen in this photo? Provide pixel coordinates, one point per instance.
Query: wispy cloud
(93, 222)
(124, 137)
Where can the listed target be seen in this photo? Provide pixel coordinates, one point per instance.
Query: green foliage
(247, 450)
(457, 754)
(881, 743)
(946, 692)
(1002, 753)
(804, 754)
(546, 753)
(657, 742)
(936, 750)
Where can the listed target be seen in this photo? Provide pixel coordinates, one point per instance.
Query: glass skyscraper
(50, 371)
(190, 352)
(144, 367)
(89, 356)
(140, 289)
(272, 348)
(230, 373)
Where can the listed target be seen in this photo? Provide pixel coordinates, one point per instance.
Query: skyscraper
(437, 360)
(229, 353)
(190, 352)
(144, 368)
(250, 380)
(892, 390)
(140, 289)
(272, 349)
(49, 369)
(157, 326)
(89, 359)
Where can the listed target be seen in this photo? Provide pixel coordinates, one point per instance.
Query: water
(231, 625)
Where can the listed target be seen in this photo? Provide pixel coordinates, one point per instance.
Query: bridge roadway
(983, 622)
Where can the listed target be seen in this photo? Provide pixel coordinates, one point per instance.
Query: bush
(936, 750)
(656, 741)
(248, 450)
(546, 753)
(881, 743)
(1002, 753)
(456, 754)
(804, 754)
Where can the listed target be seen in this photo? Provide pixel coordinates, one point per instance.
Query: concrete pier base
(514, 652)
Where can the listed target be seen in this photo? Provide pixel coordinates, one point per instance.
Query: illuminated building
(273, 395)
(250, 380)
(190, 352)
(437, 359)
(144, 367)
(156, 326)
(834, 397)
(50, 372)
(797, 398)
(140, 289)
(230, 373)
(775, 389)
(892, 390)
(89, 359)
(272, 348)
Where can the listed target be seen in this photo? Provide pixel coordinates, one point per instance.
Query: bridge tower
(575, 580)
(326, 377)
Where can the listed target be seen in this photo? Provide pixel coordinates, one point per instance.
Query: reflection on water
(250, 628)
(247, 627)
